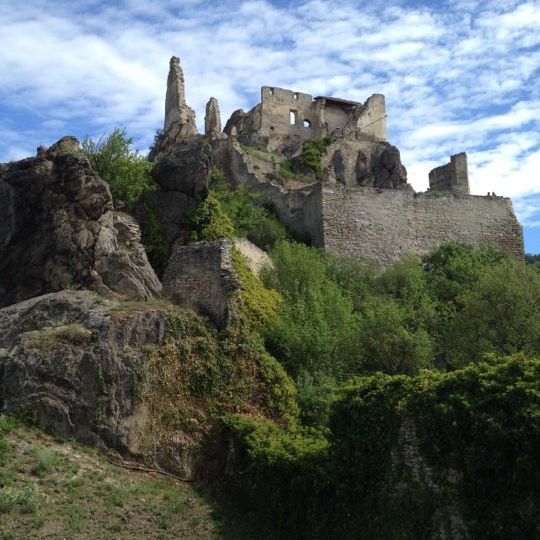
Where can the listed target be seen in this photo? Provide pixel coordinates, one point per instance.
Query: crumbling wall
(384, 225)
(451, 177)
(200, 276)
(372, 117)
(288, 116)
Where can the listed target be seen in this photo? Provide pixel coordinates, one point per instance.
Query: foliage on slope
(478, 433)
(230, 212)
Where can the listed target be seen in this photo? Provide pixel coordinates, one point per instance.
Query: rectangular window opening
(292, 117)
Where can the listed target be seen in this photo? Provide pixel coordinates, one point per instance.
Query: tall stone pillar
(212, 120)
(176, 109)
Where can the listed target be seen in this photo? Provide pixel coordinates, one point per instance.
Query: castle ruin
(360, 203)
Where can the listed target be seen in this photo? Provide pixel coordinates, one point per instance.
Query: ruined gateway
(359, 204)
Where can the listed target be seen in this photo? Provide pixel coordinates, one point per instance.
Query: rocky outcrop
(61, 231)
(212, 120)
(200, 276)
(180, 124)
(7, 211)
(185, 169)
(71, 360)
(365, 162)
(183, 176)
(176, 109)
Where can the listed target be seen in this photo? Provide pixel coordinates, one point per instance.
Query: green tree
(500, 315)
(316, 329)
(210, 222)
(387, 340)
(114, 159)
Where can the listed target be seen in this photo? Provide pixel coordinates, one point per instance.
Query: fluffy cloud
(457, 76)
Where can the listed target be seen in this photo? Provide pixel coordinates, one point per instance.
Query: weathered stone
(66, 145)
(382, 169)
(284, 117)
(212, 120)
(200, 276)
(121, 260)
(451, 177)
(176, 108)
(256, 258)
(383, 225)
(185, 169)
(7, 211)
(234, 122)
(61, 233)
(89, 358)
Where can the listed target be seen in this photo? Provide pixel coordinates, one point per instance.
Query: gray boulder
(61, 231)
(71, 361)
(185, 169)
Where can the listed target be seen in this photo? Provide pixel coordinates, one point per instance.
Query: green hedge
(478, 426)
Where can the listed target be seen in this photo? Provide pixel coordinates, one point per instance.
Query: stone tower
(451, 177)
(178, 114)
(212, 120)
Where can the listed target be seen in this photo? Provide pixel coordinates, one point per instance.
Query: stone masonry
(284, 117)
(362, 204)
(385, 225)
(451, 177)
(200, 276)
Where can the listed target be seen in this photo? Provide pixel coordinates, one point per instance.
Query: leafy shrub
(210, 222)
(316, 328)
(258, 306)
(499, 315)
(312, 154)
(387, 343)
(114, 160)
(251, 221)
(479, 425)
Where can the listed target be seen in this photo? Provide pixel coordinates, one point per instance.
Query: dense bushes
(246, 219)
(341, 318)
(368, 480)
(123, 168)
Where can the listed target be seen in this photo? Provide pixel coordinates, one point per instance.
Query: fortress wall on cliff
(384, 225)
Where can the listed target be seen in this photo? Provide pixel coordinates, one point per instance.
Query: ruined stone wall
(335, 116)
(372, 118)
(451, 177)
(276, 107)
(384, 225)
(200, 276)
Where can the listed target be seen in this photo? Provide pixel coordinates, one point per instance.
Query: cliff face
(71, 361)
(61, 231)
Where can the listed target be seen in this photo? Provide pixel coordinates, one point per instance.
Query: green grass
(68, 334)
(57, 489)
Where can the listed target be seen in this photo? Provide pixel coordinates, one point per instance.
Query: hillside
(190, 317)
(54, 488)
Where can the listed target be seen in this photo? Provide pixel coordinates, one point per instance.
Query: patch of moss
(257, 305)
(68, 334)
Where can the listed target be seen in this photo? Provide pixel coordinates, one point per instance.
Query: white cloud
(462, 76)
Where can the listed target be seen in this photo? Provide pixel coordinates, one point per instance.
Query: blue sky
(458, 75)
